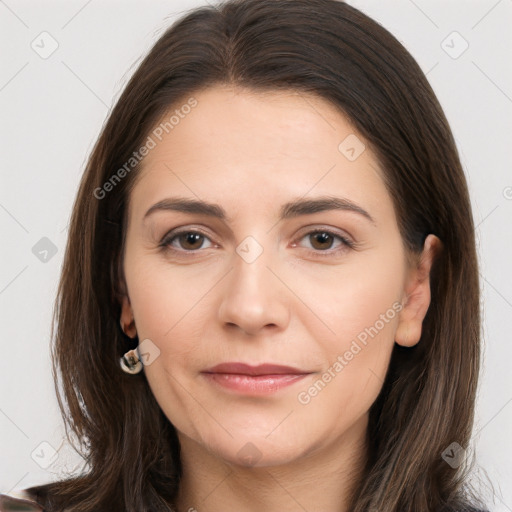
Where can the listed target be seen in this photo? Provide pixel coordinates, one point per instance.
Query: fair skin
(301, 302)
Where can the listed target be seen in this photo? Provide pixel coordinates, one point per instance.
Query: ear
(127, 320)
(417, 293)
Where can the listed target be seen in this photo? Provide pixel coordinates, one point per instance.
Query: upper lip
(261, 369)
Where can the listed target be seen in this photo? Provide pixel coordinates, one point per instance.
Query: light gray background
(52, 110)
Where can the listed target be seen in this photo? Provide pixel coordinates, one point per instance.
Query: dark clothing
(9, 503)
(12, 504)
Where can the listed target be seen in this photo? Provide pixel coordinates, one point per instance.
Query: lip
(254, 380)
(261, 369)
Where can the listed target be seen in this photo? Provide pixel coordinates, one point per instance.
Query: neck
(321, 479)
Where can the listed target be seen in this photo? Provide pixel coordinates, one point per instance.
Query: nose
(254, 297)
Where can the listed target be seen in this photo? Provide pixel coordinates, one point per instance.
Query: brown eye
(321, 240)
(322, 243)
(184, 241)
(190, 240)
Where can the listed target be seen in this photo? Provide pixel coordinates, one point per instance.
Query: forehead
(246, 146)
(269, 123)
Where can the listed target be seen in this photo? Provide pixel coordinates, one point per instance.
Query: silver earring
(130, 362)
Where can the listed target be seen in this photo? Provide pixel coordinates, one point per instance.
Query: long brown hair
(332, 50)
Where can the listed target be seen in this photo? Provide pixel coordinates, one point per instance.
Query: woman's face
(265, 277)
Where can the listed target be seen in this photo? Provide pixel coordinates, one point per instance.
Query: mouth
(254, 380)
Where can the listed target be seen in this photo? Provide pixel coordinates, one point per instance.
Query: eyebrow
(289, 210)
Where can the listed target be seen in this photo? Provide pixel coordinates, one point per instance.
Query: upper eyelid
(319, 229)
(308, 230)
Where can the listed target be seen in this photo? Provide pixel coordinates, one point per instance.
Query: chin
(257, 451)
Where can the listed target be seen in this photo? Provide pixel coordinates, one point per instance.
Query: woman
(214, 353)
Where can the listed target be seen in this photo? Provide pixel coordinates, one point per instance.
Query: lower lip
(254, 384)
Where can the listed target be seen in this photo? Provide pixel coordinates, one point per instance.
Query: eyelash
(346, 244)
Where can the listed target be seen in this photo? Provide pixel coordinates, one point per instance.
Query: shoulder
(19, 501)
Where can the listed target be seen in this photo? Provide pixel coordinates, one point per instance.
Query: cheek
(361, 307)
(348, 300)
(356, 358)
(172, 309)
(170, 312)
(163, 297)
